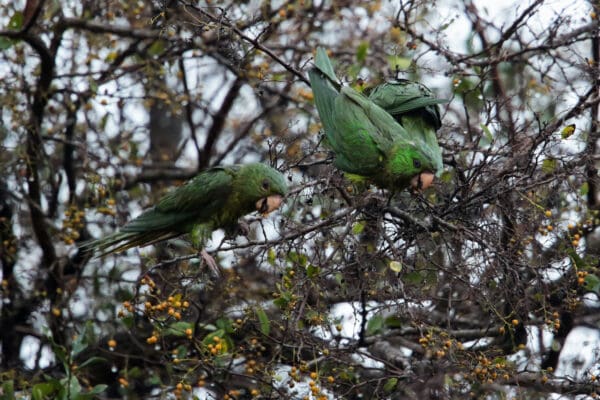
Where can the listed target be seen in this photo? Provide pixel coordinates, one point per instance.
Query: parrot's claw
(211, 263)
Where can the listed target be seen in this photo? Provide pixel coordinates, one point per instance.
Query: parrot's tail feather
(122, 241)
(323, 64)
(325, 95)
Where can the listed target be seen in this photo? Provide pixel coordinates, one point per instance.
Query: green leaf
(361, 51)
(393, 322)
(93, 85)
(74, 388)
(399, 63)
(225, 324)
(157, 48)
(80, 343)
(299, 259)
(487, 139)
(181, 352)
(61, 354)
(395, 266)
(413, 277)
(585, 188)
(358, 227)
(98, 389)
(263, 319)
(284, 298)
(92, 360)
(103, 121)
(16, 21)
(42, 391)
(8, 390)
(128, 321)
(592, 283)
(271, 256)
(446, 177)
(549, 165)
(375, 325)
(578, 261)
(312, 271)
(6, 43)
(567, 131)
(390, 385)
(178, 328)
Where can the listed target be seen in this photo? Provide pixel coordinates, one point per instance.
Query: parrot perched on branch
(366, 139)
(215, 198)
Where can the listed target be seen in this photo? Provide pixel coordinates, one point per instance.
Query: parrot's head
(409, 164)
(263, 186)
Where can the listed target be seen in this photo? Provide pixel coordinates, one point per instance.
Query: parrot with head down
(366, 139)
(215, 198)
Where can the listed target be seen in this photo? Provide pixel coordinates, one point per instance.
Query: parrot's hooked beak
(422, 181)
(268, 204)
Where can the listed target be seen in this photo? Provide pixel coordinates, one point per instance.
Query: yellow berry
(112, 343)
(548, 213)
(152, 339)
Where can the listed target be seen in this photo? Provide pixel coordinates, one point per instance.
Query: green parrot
(414, 107)
(215, 198)
(366, 139)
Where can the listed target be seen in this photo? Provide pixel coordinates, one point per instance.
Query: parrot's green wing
(194, 202)
(403, 96)
(383, 128)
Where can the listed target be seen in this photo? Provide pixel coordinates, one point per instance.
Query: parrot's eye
(417, 163)
(266, 184)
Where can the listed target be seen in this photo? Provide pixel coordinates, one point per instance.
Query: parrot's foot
(212, 264)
